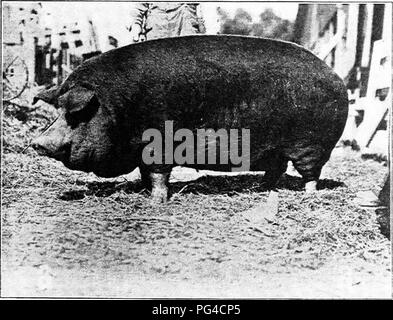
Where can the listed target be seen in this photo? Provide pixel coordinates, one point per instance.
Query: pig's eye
(75, 116)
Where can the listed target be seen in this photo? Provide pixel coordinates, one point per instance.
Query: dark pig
(294, 105)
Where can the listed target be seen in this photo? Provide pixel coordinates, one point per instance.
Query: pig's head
(85, 136)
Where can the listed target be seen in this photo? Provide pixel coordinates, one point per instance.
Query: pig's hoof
(159, 191)
(159, 199)
(159, 196)
(311, 186)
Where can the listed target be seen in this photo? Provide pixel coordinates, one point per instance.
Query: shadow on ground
(225, 185)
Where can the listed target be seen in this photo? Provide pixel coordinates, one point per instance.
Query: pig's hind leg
(308, 161)
(274, 168)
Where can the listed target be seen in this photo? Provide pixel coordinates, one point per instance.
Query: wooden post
(352, 31)
(367, 39)
(376, 107)
(340, 46)
(350, 129)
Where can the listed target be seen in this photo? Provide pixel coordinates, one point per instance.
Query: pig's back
(264, 78)
(225, 81)
(185, 55)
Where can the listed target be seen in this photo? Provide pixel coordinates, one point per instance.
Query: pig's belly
(258, 161)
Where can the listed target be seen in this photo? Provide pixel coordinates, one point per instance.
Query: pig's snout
(40, 146)
(45, 147)
(54, 142)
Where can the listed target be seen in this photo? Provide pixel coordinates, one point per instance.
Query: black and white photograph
(196, 150)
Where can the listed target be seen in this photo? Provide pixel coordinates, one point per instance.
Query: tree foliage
(269, 25)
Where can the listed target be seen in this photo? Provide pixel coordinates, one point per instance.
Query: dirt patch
(97, 230)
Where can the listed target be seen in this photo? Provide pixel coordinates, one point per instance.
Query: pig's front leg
(311, 186)
(159, 182)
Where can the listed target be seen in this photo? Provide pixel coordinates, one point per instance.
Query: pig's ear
(78, 99)
(48, 95)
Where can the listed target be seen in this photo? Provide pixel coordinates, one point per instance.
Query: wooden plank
(324, 51)
(66, 68)
(340, 63)
(367, 32)
(375, 109)
(352, 31)
(372, 119)
(350, 129)
(387, 23)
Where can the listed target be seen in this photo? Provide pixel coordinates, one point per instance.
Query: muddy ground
(67, 233)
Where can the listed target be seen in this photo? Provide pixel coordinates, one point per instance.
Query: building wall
(343, 35)
(21, 33)
(53, 37)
